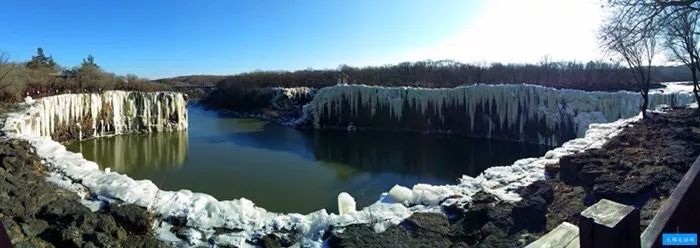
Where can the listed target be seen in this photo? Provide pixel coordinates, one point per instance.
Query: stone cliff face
(77, 116)
(525, 113)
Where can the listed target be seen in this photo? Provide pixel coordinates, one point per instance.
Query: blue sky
(166, 38)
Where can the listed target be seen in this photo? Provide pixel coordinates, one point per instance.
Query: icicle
(514, 110)
(48, 115)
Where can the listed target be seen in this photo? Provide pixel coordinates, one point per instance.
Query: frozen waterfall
(99, 114)
(525, 113)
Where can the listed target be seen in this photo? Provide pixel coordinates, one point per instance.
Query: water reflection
(430, 156)
(287, 170)
(436, 157)
(136, 154)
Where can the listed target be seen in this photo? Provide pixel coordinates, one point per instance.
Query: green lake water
(283, 169)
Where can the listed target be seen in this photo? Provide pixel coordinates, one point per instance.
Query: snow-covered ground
(246, 221)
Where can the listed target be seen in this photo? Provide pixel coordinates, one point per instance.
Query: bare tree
(5, 68)
(648, 14)
(677, 20)
(681, 38)
(636, 45)
(546, 65)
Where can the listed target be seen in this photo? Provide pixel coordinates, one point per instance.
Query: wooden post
(563, 236)
(609, 224)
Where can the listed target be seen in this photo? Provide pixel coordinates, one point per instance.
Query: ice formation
(294, 92)
(289, 98)
(203, 213)
(346, 204)
(401, 194)
(527, 113)
(100, 114)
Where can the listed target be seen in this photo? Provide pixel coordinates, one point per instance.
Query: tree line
(41, 76)
(245, 91)
(593, 75)
(637, 31)
(236, 91)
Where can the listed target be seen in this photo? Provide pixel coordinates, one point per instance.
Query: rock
(270, 241)
(567, 203)
(90, 245)
(100, 240)
(277, 240)
(135, 219)
(416, 231)
(14, 231)
(475, 217)
(33, 243)
(420, 223)
(530, 212)
(72, 236)
(37, 213)
(62, 211)
(551, 169)
(110, 226)
(142, 241)
(33, 227)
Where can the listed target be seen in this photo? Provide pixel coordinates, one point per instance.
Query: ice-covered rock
(521, 112)
(401, 194)
(289, 98)
(28, 100)
(346, 204)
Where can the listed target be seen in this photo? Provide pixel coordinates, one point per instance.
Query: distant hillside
(191, 80)
(587, 76)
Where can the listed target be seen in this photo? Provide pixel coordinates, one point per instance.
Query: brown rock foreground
(639, 167)
(37, 213)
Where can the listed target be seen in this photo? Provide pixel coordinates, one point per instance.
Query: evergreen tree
(90, 76)
(89, 61)
(41, 61)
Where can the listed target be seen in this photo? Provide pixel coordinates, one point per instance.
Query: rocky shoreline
(38, 213)
(641, 166)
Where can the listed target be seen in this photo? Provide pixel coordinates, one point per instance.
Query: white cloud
(524, 31)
